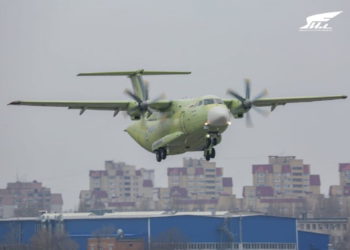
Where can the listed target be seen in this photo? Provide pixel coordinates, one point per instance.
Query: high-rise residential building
(119, 187)
(285, 176)
(339, 195)
(198, 185)
(24, 199)
(283, 184)
(344, 179)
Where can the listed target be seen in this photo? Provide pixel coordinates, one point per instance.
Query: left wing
(274, 102)
(238, 107)
(115, 106)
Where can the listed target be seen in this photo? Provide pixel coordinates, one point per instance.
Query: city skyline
(45, 44)
(335, 189)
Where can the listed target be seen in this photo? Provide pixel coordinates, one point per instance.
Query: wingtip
(15, 103)
(345, 96)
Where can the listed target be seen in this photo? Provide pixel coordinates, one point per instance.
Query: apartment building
(286, 176)
(198, 185)
(344, 179)
(340, 194)
(23, 199)
(118, 187)
(284, 186)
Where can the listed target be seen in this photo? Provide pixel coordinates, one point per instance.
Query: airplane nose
(218, 116)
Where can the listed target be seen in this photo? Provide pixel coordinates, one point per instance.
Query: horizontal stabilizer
(136, 72)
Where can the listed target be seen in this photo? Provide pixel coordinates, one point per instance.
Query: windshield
(212, 101)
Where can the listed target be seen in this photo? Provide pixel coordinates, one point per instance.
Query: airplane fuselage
(191, 121)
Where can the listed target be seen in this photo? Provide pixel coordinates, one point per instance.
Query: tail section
(139, 86)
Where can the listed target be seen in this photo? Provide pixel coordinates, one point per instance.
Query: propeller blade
(260, 95)
(248, 120)
(235, 94)
(262, 112)
(133, 96)
(247, 89)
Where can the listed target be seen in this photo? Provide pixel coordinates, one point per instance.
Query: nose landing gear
(161, 154)
(209, 151)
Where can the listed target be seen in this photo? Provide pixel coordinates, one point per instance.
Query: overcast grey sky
(44, 44)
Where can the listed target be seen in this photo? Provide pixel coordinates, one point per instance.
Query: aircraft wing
(274, 102)
(115, 106)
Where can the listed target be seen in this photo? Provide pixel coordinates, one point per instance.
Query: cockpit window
(208, 101)
(219, 101)
(212, 101)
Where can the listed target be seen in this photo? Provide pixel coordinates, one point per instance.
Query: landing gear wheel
(212, 154)
(207, 155)
(158, 156)
(163, 153)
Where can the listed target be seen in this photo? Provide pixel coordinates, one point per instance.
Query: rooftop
(136, 214)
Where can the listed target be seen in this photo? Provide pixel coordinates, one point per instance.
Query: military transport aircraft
(169, 127)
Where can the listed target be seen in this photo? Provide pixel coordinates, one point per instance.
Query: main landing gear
(161, 154)
(209, 151)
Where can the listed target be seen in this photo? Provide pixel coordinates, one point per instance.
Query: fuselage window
(208, 101)
(219, 101)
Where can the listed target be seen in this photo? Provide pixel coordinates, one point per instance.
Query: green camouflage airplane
(169, 127)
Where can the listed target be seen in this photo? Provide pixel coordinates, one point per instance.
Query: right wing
(115, 106)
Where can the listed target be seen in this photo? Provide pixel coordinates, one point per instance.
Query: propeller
(143, 104)
(247, 103)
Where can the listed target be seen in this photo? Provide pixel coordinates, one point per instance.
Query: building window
(209, 170)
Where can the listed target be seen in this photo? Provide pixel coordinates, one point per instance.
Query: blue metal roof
(193, 228)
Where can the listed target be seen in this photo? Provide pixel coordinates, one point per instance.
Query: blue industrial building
(198, 230)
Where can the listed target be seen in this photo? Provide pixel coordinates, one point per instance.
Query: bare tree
(44, 240)
(83, 206)
(345, 243)
(328, 207)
